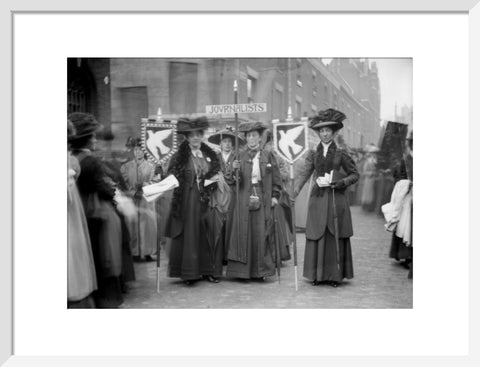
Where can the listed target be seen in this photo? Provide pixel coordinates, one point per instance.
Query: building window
(298, 63)
(183, 87)
(76, 100)
(251, 89)
(277, 104)
(298, 108)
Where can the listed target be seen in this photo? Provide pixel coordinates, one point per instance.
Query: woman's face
(226, 145)
(92, 143)
(138, 153)
(325, 134)
(195, 138)
(253, 139)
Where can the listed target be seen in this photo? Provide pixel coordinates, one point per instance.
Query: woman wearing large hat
(225, 138)
(333, 171)
(104, 224)
(191, 257)
(250, 253)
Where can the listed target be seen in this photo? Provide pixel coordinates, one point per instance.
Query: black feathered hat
(331, 118)
(186, 125)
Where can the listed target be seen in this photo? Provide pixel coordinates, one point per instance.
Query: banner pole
(237, 171)
(294, 227)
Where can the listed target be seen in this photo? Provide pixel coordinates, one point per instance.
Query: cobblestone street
(379, 282)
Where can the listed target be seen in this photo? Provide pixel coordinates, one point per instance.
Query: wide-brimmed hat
(225, 133)
(331, 118)
(85, 124)
(186, 125)
(133, 142)
(248, 126)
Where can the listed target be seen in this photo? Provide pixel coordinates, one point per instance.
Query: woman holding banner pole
(250, 254)
(328, 254)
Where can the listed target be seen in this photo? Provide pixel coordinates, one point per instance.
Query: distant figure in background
(82, 280)
(320, 263)
(370, 176)
(104, 224)
(137, 173)
(360, 163)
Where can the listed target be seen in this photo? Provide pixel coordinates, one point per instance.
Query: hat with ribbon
(247, 126)
(84, 124)
(225, 133)
(186, 125)
(328, 118)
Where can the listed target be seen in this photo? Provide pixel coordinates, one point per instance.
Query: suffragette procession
(231, 207)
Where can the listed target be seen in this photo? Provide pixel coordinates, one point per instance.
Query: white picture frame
(10, 9)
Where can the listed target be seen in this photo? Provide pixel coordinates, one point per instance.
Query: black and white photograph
(240, 183)
(236, 187)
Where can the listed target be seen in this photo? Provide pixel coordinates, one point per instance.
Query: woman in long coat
(251, 250)
(191, 257)
(104, 225)
(137, 173)
(320, 263)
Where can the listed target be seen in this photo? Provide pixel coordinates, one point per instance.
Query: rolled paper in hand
(154, 191)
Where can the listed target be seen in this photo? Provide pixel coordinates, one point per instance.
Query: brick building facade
(119, 92)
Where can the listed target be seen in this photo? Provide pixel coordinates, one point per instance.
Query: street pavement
(379, 282)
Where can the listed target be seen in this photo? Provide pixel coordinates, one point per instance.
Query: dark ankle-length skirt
(260, 260)
(398, 250)
(190, 254)
(320, 261)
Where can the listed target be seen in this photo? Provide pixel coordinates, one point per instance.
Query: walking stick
(277, 244)
(237, 172)
(294, 228)
(158, 265)
(335, 226)
(138, 217)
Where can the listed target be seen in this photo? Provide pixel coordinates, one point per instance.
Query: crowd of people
(212, 231)
(378, 186)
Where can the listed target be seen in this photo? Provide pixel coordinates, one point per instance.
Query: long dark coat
(252, 256)
(320, 212)
(104, 226)
(320, 253)
(191, 255)
(228, 174)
